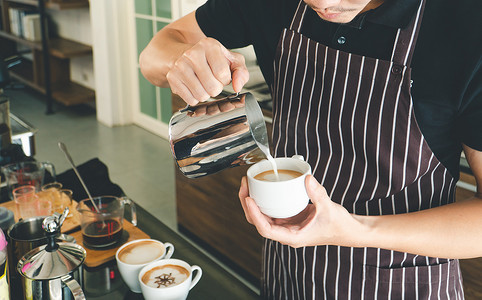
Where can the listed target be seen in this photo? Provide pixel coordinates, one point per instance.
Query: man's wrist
(364, 235)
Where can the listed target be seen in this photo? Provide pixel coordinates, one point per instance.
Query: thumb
(316, 192)
(239, 71)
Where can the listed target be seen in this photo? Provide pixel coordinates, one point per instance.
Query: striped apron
(352, 118)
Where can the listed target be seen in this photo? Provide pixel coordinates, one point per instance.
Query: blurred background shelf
(57, 5)
(48, 74)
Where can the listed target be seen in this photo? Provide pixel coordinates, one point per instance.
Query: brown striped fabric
(352, 118)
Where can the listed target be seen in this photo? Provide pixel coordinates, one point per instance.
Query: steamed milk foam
(141, 252)
(271, 160)
(165, 276)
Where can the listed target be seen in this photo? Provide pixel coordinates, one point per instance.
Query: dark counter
(215, 283)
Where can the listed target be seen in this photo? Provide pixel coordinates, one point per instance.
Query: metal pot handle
(74, 287)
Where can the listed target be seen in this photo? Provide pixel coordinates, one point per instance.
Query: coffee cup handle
(170, 250)
(300, 157)
(196, 278)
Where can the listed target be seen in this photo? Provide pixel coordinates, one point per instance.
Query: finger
(178, 88)
(239, 72)
(219, 65)
(261, 221)
(243, 194)
(268, 229)
(316, 192)
(206, 75)
(192, 82)
(186, 84)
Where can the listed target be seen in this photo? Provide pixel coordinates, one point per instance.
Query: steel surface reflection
(218, 134)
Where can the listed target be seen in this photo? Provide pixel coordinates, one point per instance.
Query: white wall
(188, 6)
(114, 60)
(74, 24)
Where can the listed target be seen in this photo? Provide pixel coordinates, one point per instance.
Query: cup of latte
(168, 279)
(134, 255)
(279, 195)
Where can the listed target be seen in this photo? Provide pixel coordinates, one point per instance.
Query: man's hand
(204, 69)
(321, 223)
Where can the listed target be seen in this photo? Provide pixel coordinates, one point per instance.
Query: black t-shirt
(446, 67)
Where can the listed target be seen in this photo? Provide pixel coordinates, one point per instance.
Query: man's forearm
(160, 54)
(449, 231)
(167, 46)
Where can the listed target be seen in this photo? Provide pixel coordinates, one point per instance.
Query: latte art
(283, 175)
(165, 276)
(141, 252)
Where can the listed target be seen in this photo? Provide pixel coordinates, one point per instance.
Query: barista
(383, 222)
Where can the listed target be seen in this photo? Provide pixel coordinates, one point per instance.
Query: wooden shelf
(72, 93)
(56, 5)
(35, 45)
(68, 94)
(58, 47)
(63, 48)
(34, 72)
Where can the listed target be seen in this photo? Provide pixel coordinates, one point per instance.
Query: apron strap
(406, 38)
(298, 17)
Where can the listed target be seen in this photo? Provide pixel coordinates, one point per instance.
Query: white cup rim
(137, 241)
(305, 169)
(169, 261)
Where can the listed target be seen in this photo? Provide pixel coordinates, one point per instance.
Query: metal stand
(45, 56)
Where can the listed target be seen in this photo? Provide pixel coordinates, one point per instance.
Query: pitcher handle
(50, 167)
(74, 287)
(126, 200)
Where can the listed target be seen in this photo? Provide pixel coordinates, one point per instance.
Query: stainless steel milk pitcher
(218, 134)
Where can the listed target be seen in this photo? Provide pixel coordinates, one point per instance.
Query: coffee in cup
(134, 255)
(165, 276)
(284, 197)
(282, 175)
(168, 279)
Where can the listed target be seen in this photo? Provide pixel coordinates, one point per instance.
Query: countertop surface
(215, 283)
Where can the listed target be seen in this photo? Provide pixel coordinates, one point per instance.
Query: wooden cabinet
(31, 72)
(209, 211)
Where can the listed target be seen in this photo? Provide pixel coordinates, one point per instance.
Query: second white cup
(133, 256)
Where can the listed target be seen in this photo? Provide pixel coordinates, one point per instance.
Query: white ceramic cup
(280, 199)
(174, 292)
(130, 271)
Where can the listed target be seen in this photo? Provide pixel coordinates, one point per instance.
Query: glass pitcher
(26, 173)
(104, 227)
